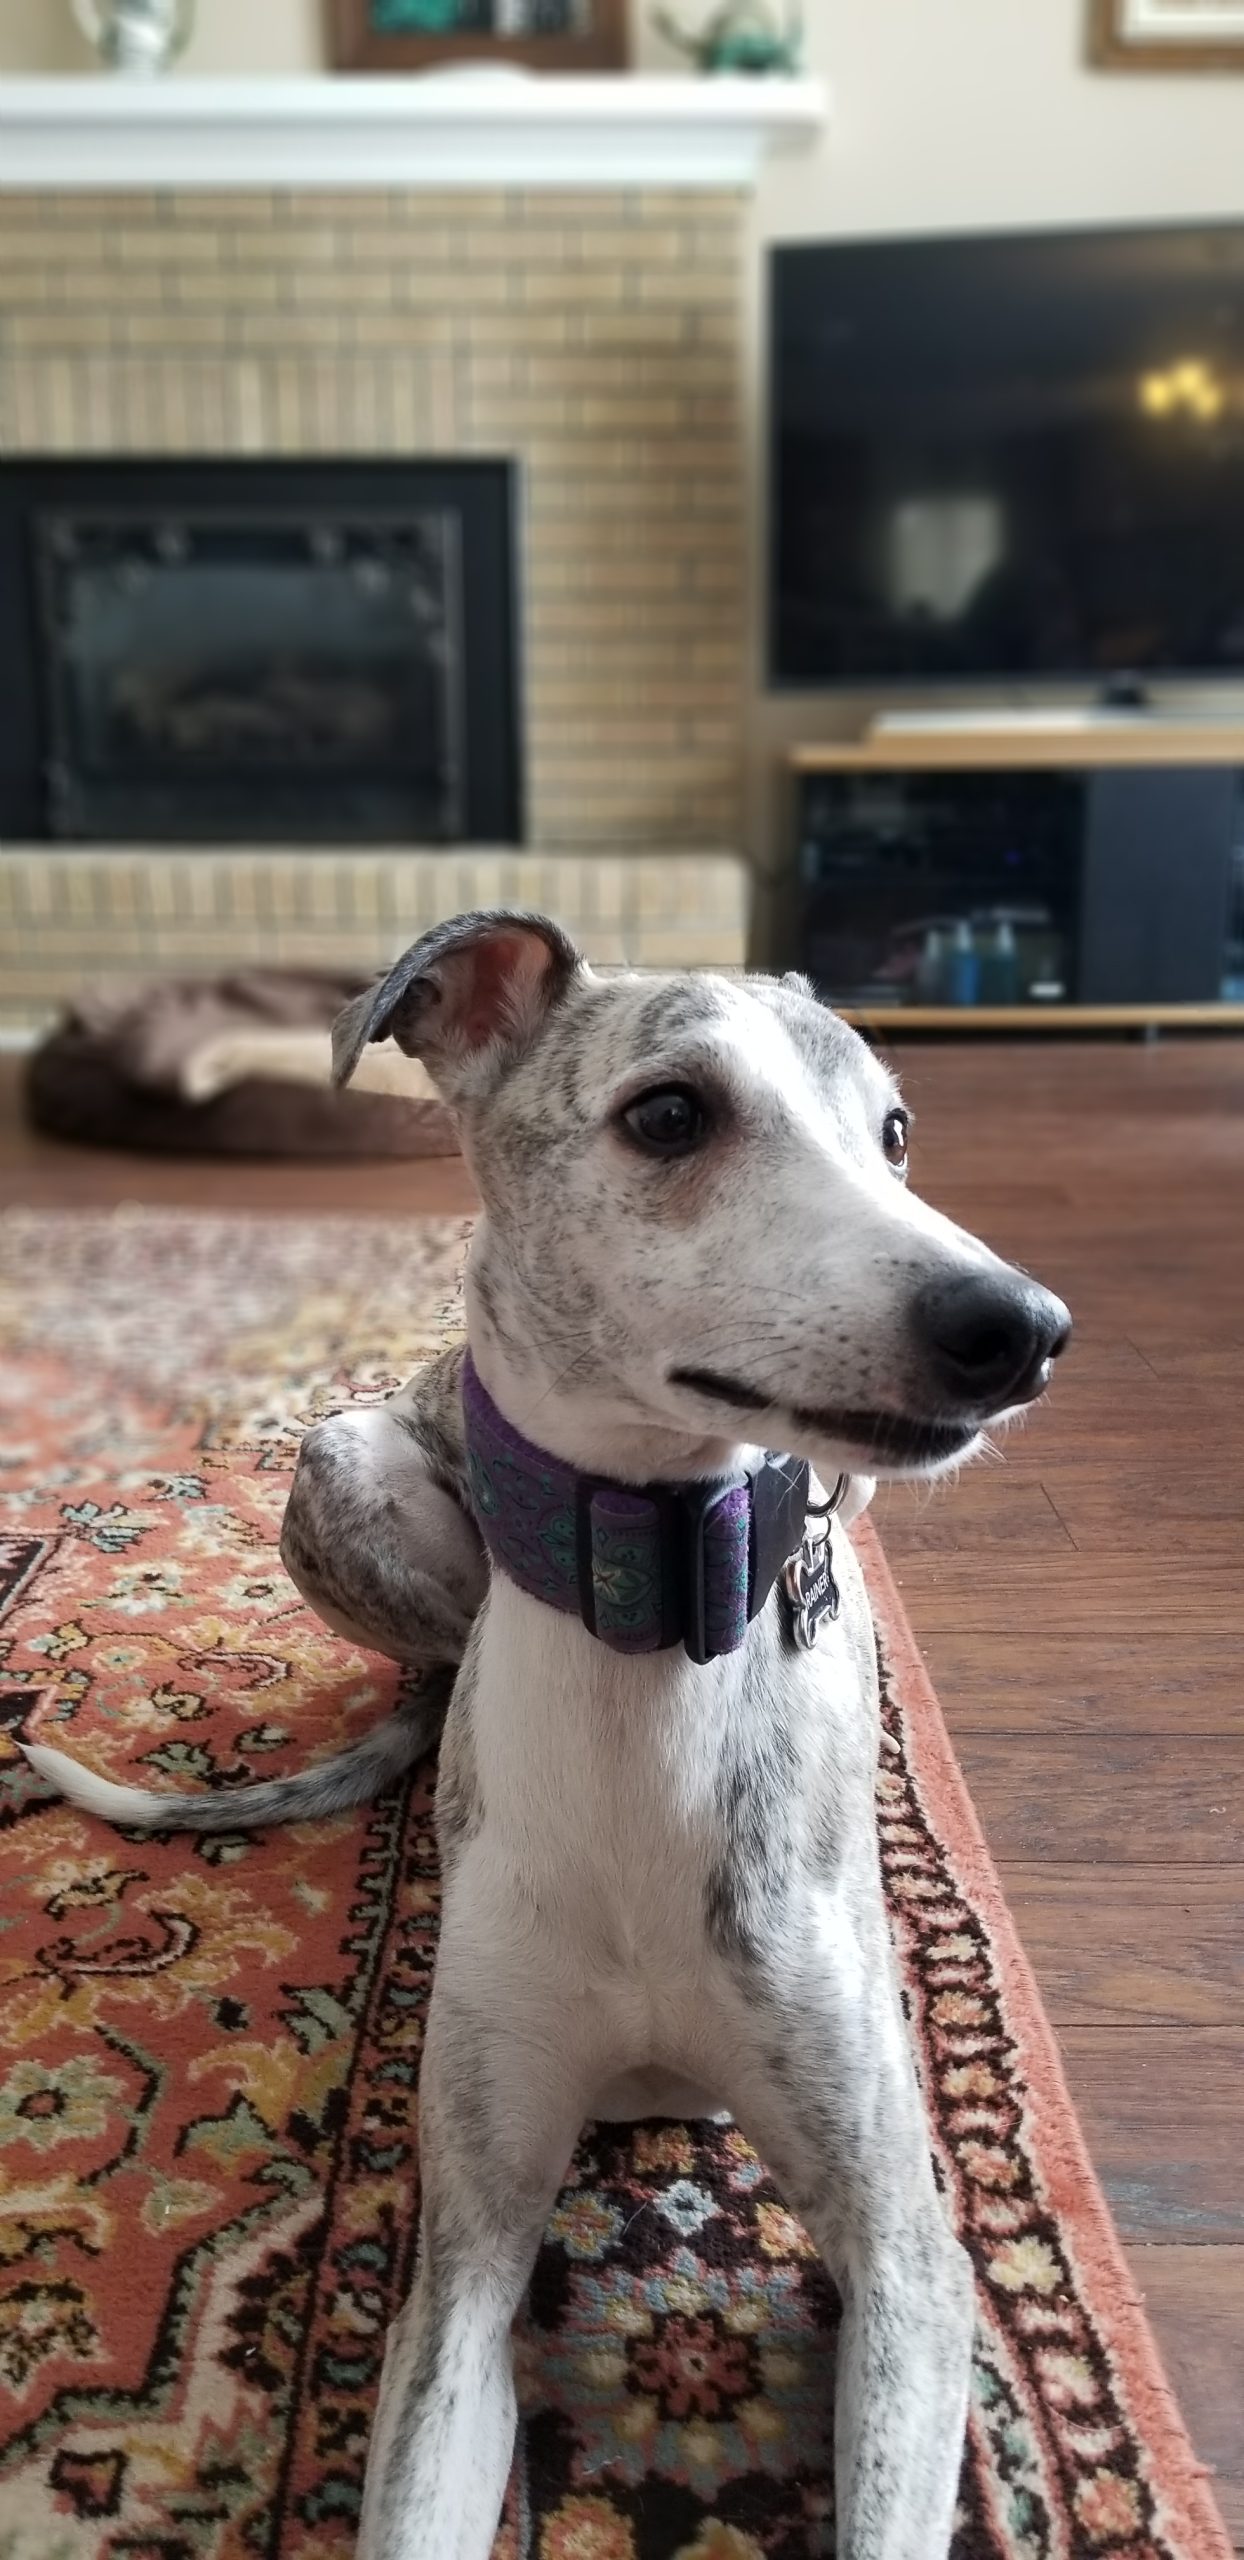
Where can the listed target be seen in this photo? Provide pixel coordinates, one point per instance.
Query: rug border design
(1187, 2506)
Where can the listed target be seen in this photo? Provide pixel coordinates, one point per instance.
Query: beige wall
(964, 112)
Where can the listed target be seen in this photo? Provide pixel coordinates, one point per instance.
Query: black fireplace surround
(258, 652)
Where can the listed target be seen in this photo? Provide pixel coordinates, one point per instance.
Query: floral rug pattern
(209, 2047)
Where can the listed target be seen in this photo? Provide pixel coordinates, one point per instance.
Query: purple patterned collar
(643, 1567)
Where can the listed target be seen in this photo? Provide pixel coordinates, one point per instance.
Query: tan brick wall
(595, 336)
(91, 912)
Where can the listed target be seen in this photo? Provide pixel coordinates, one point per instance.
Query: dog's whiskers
(577, 1367)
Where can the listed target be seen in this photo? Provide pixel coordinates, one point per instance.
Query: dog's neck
(587, 1422)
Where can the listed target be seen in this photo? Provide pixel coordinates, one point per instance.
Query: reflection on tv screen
(1005, 457)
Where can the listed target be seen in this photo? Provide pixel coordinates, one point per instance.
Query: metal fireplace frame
(479, 495)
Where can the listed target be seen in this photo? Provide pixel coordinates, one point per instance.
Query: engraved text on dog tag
(811, 1591)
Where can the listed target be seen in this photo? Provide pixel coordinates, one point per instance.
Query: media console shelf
(1046, 873)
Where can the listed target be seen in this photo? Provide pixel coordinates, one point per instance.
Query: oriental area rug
(209, 2046)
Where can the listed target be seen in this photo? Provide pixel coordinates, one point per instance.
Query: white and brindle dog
(655, 1806)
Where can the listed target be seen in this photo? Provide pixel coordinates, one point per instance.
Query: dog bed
(226, 1066)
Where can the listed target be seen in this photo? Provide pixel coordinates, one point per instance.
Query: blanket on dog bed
(236, 1065)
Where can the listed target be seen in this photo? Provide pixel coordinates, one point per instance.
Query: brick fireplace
(591, 339)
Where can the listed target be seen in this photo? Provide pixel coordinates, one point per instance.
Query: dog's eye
(669, 1121)
(894, 1138)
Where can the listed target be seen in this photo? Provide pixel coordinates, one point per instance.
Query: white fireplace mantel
(449, 129)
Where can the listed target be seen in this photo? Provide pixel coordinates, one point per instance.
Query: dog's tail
(350, 1777)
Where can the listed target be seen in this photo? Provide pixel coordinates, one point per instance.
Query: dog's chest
(611, 1785)
(600, 1774)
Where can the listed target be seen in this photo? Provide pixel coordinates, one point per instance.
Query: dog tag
(811, 1591)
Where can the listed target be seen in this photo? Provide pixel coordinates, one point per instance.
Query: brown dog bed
(234, 1066)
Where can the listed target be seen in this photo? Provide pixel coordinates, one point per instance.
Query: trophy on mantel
(137, 35)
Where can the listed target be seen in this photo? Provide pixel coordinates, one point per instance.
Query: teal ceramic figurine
(741, 35)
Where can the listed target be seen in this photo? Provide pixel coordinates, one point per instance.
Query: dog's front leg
(833, 2106)
(902, 2391)
(497, 2126)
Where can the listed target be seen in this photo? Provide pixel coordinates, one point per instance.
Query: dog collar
(642, 1566)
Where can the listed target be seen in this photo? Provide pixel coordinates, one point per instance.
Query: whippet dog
(698, 1274)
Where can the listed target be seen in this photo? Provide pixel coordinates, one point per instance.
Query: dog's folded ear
(470, 993)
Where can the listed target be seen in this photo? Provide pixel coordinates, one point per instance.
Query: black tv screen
(1016, 457)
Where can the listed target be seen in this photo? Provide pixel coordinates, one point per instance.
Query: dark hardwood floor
(1080, 1602)
(1081, 1607)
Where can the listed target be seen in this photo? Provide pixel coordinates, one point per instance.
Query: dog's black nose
(989, 1341)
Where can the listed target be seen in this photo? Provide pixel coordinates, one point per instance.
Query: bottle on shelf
(963, 968)
(931, 967)
(999, 968)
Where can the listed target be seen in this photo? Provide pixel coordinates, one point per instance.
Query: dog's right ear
(464, 999)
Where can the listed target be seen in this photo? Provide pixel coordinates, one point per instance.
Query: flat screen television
(1015, 458)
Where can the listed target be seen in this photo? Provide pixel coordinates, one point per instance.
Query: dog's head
(698, 1229)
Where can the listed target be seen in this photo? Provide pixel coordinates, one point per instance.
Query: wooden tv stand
(1151, 821)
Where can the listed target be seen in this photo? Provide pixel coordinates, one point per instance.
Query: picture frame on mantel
(531, 35)
(1167, 35)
